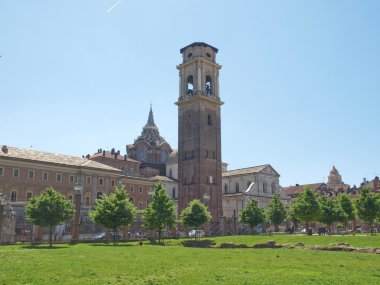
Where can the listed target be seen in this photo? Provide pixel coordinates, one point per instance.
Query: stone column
(75, 226)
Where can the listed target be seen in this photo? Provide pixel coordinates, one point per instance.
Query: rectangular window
(101, 181)
(88, 180)
(58, 177)
(70, 198)
(1, 171)
(173, 196)
(30, 174)
(13, 196)
(45, 176)
(29, 196)
(87, 201)
(71, 178)
(140, 188)
(131, 188)
(16, 172)
(113, 182)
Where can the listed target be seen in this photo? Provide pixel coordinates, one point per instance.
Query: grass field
(128, 263)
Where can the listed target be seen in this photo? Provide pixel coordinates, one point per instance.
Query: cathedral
(194, 171)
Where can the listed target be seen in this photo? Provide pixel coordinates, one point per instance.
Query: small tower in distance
(199, 130)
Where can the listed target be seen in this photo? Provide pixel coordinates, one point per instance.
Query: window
(87, 201)
(99, 195)
(29, 195)
(113, 182)
(248, 183)
(140, 188)
(30, 174)
(210, 179)
(1, 171)
(208, 85)
(190, 86)
(88, 180)
(45, 176)
(70, 198)
(13, 196)
(131, 188)
(142, 154)
(273, 187)
(101, 181)
(58, 177)
(225, 188)
(237, 190)
(170, 172)
(265, 187)
(131, 200)
(164, 155)
(209, 120)
(141, 205)
(71, 178)
(173, 193)
(16, 172)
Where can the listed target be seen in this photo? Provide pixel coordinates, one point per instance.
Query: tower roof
(202, 44)
(150, 132)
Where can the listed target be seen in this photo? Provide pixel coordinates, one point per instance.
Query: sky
(300, 79)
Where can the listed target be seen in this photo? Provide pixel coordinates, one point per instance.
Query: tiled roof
(242, 171)
(297, 189)
(52, 158)
(108, 154)
(161, 178)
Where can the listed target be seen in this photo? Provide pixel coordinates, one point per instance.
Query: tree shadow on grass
(199, 243)
(44, 246)
(104, 244)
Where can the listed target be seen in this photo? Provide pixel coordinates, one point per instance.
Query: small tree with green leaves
(276, 211)
(113, 211)
(305, 207)
(347, 207)
(329, 212)
(368, 206)
(195, 215)
(48, 210)
(160, 211)
(252, 215)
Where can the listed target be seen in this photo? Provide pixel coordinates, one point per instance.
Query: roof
(248, 170)
(51, 158)
(202, 44)
(297, 189)
(109, 154)
(161, 178)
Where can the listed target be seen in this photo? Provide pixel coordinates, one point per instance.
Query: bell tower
(199, 131)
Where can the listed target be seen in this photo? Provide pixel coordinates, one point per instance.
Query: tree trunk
(276, 228)
(50, 236)
(114, 237)
(159, 235)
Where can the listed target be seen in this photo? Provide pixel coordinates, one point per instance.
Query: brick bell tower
(199, 132)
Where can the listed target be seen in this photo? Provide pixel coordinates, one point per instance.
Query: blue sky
(300, 79)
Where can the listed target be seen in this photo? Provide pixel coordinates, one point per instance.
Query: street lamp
(75, 228)
(2, 199)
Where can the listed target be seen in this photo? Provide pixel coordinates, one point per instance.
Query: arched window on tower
(142, 154)
(209, 120)
(190, 86)
(208, 85)
(164, 155)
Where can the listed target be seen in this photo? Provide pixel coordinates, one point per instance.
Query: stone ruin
(7, 224)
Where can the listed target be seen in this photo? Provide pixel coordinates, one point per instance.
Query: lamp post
(75, 228)
(2, 198)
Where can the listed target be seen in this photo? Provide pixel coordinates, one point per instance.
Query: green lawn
(128, 263)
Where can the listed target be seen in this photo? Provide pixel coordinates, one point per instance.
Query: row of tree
(308, 208)
(115, 210)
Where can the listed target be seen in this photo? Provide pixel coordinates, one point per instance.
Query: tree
(368, 206)
(160, 211)
(195, 214)
(48, 210)
(113, 211)
(252, 215)
(329, 212)
(305, 207)
(276, 211)
(347, 207)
